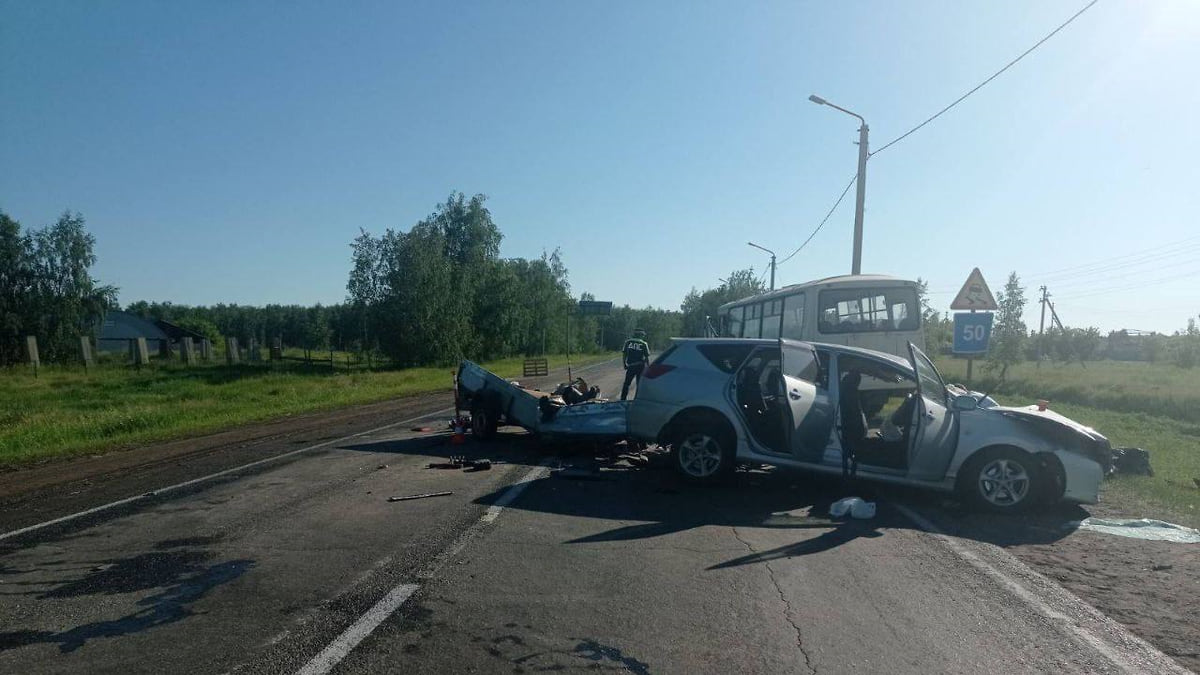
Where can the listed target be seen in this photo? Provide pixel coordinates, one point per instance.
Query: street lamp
(772, 261)
(856, 265)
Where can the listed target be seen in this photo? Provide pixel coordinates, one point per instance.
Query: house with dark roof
(119, 329)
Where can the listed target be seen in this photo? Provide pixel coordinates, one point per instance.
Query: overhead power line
(1137, 257)
(823, 220)
(981, 85)
(1144, 284)
(1105, 275)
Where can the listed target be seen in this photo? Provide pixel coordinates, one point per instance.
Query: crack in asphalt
(787, 606)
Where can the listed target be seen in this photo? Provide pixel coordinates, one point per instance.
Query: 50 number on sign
(972, 332)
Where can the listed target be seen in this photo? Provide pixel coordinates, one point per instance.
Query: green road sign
(594, 308)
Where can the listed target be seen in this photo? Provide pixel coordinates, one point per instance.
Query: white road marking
(345, 643)
(1128, 652)
(512, 493)
(338, 649)
(236, 469)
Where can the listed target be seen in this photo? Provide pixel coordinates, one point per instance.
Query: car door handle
(929, 416)
(795, 395)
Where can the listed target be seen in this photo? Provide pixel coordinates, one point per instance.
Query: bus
(862, 310)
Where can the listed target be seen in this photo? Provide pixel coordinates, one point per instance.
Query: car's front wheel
(703, 451)
(1001, 480)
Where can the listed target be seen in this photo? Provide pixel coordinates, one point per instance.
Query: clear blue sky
(230, 151)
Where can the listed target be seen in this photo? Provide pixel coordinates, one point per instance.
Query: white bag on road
(855, 506)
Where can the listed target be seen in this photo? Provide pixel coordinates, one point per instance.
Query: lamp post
(863, 153)
(772, 261)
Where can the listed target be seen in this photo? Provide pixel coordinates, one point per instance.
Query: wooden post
(276, 348)
(206, 349)
(231, 351)
(32, 348)
(143, 352)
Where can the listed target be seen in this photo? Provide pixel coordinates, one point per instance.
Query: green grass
(1144, 405)
(66, 412)
(1162, 390)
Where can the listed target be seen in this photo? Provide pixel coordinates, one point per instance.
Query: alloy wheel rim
(699, 455)
(1004, 482)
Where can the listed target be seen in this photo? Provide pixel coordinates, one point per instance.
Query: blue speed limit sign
(972, 332)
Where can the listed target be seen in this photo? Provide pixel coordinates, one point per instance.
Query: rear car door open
(810, 410)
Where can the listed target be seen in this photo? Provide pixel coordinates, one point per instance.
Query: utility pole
(1042, 327)
(772, 261)
(864, 153)
(860, 197)
(1054, 317)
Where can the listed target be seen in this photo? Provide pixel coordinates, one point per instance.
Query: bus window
(753, 320)
(771, 318)
(864, 310)
(793, 317)
(733, 324)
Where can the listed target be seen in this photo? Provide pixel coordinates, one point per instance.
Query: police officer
(635, 355)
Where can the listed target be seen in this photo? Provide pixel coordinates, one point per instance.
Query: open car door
(934, 434)
(809, 416)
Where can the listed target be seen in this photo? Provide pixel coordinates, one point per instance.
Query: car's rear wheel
(483, 422)
(1002, 480)
(703, 450)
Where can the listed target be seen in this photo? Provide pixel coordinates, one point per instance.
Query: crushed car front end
(1074, 455)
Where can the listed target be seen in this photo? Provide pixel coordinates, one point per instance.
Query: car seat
(854, 422)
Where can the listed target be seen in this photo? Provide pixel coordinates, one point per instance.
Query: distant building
(118, 329)
(1128, 345)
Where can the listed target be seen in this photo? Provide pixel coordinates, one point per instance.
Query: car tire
(483, 422)
(703, 450)
(1002, 480)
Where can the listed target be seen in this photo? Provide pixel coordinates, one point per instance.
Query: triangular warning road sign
(975, 294)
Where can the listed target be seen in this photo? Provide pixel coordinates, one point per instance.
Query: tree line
(1013, 341)
(431, 294)
(440, 291)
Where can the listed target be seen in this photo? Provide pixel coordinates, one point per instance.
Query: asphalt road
(302, 565)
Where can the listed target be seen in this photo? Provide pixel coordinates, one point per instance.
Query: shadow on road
(597, 485)
(180, 577)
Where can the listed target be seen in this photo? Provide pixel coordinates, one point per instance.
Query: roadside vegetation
(65, 411)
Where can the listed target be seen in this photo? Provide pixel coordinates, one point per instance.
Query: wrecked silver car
(850, 411)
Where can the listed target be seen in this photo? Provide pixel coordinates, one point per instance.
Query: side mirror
(964, 403)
